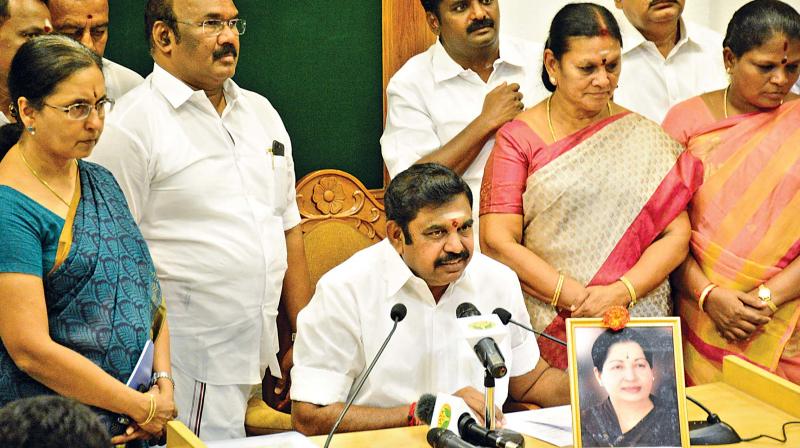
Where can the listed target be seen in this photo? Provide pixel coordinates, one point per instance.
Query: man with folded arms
(426, 263)
(445, 104)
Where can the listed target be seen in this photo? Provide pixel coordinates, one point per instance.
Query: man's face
(644, 14)
(202, 59)
(467, 26)
(442, 242)
(83, 20)
(27, 18)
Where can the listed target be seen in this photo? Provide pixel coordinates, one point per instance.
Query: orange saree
(745, 228)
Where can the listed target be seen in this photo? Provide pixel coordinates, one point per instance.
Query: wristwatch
(765, 295)
(158, 375)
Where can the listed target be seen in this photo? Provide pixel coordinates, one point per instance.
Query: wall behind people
(318, 63)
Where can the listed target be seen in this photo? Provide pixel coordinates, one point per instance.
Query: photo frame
(637, 396)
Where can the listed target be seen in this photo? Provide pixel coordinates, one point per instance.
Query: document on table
(283, 440)
(553, 425)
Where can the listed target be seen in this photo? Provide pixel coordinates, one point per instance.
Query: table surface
(749, 416)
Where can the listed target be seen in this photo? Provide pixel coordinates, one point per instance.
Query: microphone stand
(362, 380)
(488, 400)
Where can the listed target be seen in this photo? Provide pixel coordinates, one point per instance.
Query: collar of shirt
(398, 275)
(178, 92)
(632, 38)
(444, 67)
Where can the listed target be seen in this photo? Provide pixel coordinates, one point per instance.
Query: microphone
(442, 438)
(486, 349)
(425, 406)
(505, 318)
(476, 434)
(397, 314)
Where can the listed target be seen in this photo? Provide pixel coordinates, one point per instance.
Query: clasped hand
(736, 314)
(165, 411)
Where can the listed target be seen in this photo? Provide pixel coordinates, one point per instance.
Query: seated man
(50, 421)
(427, 264)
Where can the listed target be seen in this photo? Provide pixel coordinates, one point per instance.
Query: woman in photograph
(78, 290)
(631, 415)
(738, 290)
(582, 198)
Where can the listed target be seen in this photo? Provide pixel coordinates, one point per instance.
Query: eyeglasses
(214, 27)
(81, 111)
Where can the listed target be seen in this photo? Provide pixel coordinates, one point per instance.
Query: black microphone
(425, 406)
(397, 314)
(476, 434)
(442, 438)
(505, 318)
(486, 349)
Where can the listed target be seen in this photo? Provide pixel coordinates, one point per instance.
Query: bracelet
(412, 418)
(557, 293)
(631, 291)
(704, 295)
(152, 412)
(158, 375)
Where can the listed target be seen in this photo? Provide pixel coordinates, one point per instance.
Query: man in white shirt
(427, 264)
(444, 105)
(665, 59)
(19, 21)
(87, 22)
(207, 170)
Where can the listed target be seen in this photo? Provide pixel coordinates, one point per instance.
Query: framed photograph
(627, 386)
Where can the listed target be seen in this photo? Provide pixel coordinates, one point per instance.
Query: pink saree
(591, 203)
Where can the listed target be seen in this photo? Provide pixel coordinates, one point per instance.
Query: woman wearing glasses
(78, 289)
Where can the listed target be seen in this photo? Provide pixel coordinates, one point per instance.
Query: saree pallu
(593, 204)
(745, 229)
(102, 296)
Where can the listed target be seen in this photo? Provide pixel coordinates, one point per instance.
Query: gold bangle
(631, 291)
(152, 412)
(704, 295)
(557, 294)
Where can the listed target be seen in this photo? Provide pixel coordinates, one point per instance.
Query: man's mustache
(478, 24)
(450, 257)
(658, 2)
(226, 49)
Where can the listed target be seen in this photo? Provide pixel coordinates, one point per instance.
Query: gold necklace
(21, 153)
(550, 119)
(725, 101)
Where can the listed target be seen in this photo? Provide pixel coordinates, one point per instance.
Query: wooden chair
(339, 218)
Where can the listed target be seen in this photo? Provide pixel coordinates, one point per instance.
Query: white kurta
(343, 327)
(651, 84)
(432, 98)
(213, 205)
(119, 79)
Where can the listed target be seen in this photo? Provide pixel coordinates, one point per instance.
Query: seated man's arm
(544, 386)
(311, 419)
(410, 136)
(329, 357)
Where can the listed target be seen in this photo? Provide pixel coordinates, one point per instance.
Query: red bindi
(604, 32)
(89, 17)
(604, 61)
(455, 224)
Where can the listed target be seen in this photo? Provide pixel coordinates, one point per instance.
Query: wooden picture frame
(640, 364)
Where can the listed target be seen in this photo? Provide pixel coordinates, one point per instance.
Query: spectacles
(81, 111)
(214, 27)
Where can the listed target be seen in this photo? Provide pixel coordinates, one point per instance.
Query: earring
(553, 81)
(32, 130)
